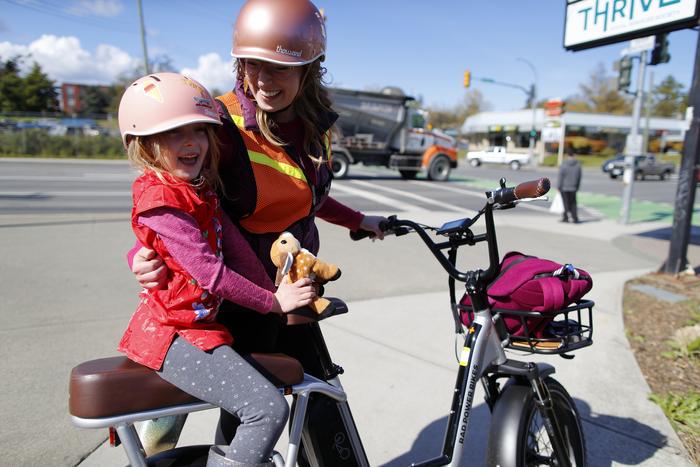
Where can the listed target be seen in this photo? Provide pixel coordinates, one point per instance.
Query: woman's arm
(147, 266)
(337, 213)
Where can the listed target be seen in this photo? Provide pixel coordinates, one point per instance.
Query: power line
(56, 12)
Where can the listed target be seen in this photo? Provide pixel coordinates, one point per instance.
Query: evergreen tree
(97, 99)
(11, 95)
(39, 91)
(668, 99)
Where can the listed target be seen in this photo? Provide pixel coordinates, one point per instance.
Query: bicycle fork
(551, 422)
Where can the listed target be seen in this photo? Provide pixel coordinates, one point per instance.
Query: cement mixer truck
(388, 129)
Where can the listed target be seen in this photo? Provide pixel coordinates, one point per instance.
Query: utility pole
(146, 67)
(685, 193)
(633, 146)
(647, 113)
(533, 98)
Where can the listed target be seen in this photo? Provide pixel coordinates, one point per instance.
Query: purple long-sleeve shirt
(238, 277)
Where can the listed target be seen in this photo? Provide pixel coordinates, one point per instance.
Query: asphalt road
(68, 186)
(67, 293)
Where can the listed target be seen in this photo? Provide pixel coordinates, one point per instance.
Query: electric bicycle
(534, 420)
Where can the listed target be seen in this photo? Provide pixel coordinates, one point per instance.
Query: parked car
(497, 155)
(608, 164)
(644, 166)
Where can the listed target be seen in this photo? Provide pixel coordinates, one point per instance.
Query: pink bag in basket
(529, 283)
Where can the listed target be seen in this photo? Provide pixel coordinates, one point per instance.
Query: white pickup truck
(497, 155)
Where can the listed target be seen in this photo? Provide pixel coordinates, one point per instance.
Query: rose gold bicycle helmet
(286, 32)
(162, 101)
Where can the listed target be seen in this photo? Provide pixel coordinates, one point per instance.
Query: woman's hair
(144, 152)
(310, 105)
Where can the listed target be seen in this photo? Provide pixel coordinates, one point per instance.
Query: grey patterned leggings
(223, 378)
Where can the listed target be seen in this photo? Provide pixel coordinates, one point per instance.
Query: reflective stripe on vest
(283, 193)
(286, 169)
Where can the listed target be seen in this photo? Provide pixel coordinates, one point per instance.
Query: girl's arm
(337, 213)
(185, 243)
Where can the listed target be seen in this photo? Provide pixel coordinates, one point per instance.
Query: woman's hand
(292, 296)
(149, 269)
(371, 223)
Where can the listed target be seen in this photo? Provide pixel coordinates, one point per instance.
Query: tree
(39, 91)
(668, 98)
(11, 96)
(600, 94)
(97, 99)
(454, 117)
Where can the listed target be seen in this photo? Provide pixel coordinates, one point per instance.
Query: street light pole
(533, 98)
(143, 39)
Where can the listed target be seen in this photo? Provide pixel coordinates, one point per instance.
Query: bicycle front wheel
(518, 436)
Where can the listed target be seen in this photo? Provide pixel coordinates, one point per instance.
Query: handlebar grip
(531, 189)
(362, 233)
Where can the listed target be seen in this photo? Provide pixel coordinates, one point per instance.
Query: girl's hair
(144, 152)
(311, 105)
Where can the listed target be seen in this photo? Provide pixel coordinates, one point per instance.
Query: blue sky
(421, 46)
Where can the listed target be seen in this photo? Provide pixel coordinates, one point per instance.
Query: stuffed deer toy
(286, 253)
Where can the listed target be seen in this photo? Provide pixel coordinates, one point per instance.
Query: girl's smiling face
(184, 150)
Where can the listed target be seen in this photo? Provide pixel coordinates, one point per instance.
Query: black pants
(255, 332)
(570, 208)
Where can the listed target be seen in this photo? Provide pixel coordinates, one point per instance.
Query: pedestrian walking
(569, 182)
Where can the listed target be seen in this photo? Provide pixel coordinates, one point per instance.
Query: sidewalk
(399, 361)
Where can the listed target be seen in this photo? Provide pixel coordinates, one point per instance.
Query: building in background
(585, 133)
(70, 98)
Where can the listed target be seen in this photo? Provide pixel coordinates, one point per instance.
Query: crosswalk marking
(394, 203)
(480, 194)
(405, 194)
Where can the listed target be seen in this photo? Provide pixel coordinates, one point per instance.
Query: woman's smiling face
(274, 87)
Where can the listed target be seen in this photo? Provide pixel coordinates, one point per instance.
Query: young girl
(167, 122)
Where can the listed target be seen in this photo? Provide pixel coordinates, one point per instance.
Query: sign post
(685, 193)
(634, 142)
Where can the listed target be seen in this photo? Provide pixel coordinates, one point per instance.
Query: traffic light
(467, 78)
(625, 78)
(660, 52)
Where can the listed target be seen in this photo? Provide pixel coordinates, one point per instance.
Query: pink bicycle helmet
(286, 32)
(162, 101)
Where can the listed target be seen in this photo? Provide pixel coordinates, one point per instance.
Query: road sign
(551, 134)
(633, 145)
(590, 23)
(643, 43)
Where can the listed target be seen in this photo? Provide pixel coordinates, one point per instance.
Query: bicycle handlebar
(361, 233)
(501, 198)
(531, 189)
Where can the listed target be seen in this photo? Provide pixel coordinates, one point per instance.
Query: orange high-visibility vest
(284, 195)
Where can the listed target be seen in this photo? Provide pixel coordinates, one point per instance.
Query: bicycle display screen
(454, 226)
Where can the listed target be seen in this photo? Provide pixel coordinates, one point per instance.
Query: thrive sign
(590, 23)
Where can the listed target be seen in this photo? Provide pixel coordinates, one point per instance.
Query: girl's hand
(149, 269)
(292, 296)
(371, 223)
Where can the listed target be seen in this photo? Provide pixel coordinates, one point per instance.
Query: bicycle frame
(124, 424)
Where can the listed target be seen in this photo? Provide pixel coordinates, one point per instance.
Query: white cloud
(213, 72)
(64, 60)
(104, 8)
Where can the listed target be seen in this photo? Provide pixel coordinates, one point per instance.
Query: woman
(275, 159)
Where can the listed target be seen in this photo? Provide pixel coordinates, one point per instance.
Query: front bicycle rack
(553, 332)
